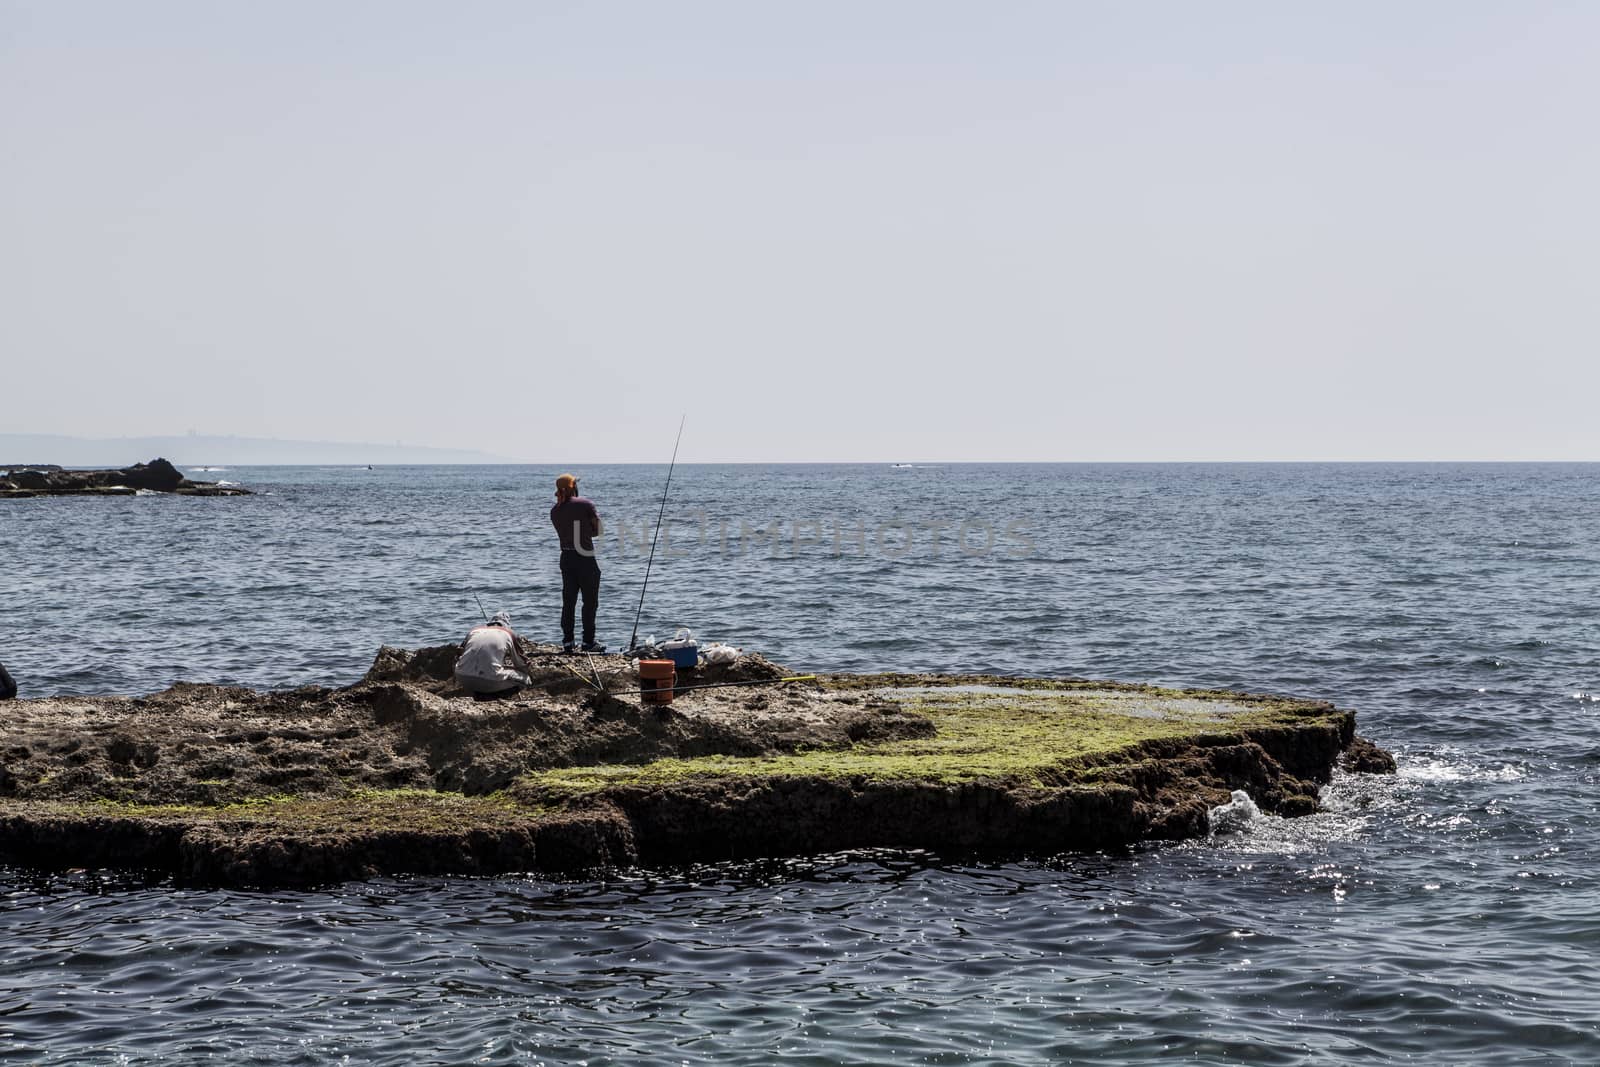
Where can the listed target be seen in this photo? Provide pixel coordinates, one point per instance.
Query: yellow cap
(566, 481)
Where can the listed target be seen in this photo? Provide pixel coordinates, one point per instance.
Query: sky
(821, 231)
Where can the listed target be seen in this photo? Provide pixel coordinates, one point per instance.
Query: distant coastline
(191, 450)
(199, 451)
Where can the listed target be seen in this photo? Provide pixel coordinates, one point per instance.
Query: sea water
(1449, 914)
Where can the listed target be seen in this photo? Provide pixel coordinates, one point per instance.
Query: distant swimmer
(490, 665)
(8, 684)
(577, 524)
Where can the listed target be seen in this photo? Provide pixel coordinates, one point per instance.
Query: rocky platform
(157, 476)
(402, 772)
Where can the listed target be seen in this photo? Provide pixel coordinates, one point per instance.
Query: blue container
(684, 656)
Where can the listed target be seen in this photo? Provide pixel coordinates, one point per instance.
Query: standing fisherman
(577, 524)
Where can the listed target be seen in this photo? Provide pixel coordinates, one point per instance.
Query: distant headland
(189, 450)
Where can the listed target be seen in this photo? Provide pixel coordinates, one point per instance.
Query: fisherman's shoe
(590, 646)
(569, 647)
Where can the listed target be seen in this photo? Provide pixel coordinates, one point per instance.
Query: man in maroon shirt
(577, 524)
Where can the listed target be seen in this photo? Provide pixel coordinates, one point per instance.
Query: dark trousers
(579, 574)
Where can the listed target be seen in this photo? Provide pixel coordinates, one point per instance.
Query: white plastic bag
(719, 653)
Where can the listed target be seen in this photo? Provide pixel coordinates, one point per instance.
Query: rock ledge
(404, 773)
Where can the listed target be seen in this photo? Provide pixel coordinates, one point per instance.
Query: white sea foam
(1348, 803)
(1452, 768)
(1235, 815)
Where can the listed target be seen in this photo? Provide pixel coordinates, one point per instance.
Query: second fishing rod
(633, 639)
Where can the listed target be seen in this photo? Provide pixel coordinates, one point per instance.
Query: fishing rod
(633, 641)
(530, 653)
(728, 685)
(485, 614)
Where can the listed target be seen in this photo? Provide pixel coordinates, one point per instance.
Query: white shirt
(486, 656)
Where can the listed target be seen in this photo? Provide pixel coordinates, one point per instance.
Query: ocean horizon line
(913, 464)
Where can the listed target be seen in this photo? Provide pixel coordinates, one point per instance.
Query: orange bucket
(656, 677)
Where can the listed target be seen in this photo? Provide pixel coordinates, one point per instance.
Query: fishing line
(633, 641)
(730, 685)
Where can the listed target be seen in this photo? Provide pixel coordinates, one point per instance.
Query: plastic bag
(719, 653)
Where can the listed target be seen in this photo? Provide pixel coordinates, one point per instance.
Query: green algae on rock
(404, 773)
(988, 729)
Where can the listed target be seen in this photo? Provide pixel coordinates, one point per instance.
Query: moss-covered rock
(403, 773)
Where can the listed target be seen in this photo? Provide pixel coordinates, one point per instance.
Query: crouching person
(490, 665)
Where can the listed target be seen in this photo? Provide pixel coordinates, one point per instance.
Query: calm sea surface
(1449, 915)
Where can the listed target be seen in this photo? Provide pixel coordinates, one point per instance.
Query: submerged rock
(1364, 757)
(404, 772)
(157, 476)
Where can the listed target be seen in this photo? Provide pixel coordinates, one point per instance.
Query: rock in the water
(1364, 757)
(157, 476)
(31, 479)
(404, 772)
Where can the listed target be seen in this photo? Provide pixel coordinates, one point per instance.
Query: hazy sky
(858, 230)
